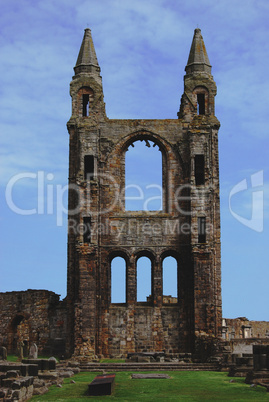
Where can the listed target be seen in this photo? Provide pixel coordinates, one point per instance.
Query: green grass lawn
(12, 358)
(183, 386)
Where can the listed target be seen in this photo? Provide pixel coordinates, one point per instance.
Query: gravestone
(25, 348)
(3, 353)
(261, 357)
(33, 353)
(20, 350)
(102, 385)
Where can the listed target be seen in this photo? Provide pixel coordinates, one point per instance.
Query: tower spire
(87, 60)
(198, 60)
(86, 87)
(199, 85)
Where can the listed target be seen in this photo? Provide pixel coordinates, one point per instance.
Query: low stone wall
(20, 381)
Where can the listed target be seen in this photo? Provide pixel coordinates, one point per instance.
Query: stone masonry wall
(242, 328)
(155, 329)
(32, 316)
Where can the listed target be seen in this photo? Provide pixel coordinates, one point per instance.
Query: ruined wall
(97, 205)
(155, 329)
(32, 316)
(242, 328)
(132, 234)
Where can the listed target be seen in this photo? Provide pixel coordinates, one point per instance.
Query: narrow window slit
(86, 104)
(200, 104)
(199, 168)
(87, 230)
(88, 167)
(201, 230)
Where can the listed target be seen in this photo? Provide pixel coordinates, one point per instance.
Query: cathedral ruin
(188, 222)
(186, 227)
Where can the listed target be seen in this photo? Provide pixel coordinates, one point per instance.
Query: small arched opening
(144, 279)
(19, 331)
(170, 280)
(118, 280)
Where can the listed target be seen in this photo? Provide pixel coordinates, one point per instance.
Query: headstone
(33, 353)
(102, 385)
(3, 353)
(260, 357)
(25, 348)
(20, 350)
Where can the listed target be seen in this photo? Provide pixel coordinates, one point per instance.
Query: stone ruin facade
(87, 322)
(101, 229)
(187, 228)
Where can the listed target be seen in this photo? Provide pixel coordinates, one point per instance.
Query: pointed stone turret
(199, 86)
(87, 60)
(86, 87)
(198, 59)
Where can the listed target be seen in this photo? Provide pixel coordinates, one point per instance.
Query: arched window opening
(143, 177)
(118, 280)
(143, 281)
(170, 280)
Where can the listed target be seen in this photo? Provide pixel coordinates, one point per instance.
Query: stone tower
(100, 228)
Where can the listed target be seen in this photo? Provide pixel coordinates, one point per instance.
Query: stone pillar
(131, 282)
(157, 286)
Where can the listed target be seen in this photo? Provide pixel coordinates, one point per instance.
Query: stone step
(148, 367)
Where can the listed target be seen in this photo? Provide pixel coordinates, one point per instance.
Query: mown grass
(12, 358)
(183, 386)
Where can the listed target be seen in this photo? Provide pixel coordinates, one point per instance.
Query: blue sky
(142, 48)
